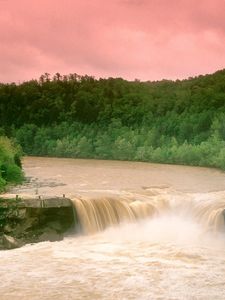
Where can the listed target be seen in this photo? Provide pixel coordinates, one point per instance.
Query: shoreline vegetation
(10, 163)
(175, 122)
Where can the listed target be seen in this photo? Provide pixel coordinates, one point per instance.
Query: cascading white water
(96, 214)
(156, 243)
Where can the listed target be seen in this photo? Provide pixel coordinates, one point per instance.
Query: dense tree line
(179, 121)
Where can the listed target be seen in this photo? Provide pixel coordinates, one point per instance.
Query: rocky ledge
(34, 220)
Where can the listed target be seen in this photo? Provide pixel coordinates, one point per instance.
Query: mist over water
(156, 243)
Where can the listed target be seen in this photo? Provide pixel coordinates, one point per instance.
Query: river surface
(177, 252)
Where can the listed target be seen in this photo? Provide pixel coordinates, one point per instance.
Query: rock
(1, 244)
(50, 235)
(23, 229)
(29, 223)
(8, 242)
(8, 228)
(21, 213)
(56, 226)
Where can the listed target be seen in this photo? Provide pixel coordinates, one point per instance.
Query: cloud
(121, 38)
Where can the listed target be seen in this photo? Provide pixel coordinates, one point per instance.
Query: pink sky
(144, 39)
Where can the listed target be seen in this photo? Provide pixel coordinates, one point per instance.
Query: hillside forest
(175, 122)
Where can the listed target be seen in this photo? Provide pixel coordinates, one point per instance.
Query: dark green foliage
(8, 210)
(125, 143)
(78, 116)
(84, 99)
(10, 165)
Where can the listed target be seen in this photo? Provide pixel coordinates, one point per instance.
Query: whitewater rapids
(151, 243)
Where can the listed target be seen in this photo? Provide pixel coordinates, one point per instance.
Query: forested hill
(87, 100)
(179, 121)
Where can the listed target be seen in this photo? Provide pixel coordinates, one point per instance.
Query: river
(175, 252)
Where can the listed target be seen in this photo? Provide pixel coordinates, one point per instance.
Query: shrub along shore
(10, 164)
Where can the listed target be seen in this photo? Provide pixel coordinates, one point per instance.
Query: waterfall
(96, 214)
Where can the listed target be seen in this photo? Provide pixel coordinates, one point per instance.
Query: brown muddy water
(149, 232)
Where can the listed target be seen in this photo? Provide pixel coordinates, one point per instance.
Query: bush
(10, 164)
(13, 173)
